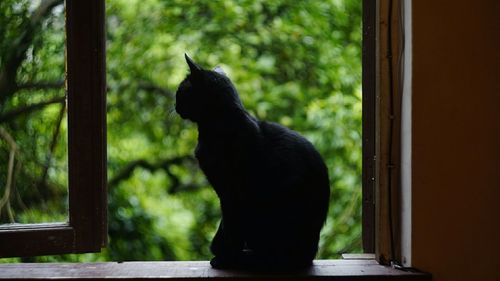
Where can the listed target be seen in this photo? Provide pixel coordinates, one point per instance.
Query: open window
(85, 230)
(86, 87)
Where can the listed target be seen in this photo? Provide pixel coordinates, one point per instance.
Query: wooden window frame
(86, 230)
(390, 192)
(369, 159)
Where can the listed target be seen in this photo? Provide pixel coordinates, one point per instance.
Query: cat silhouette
(272, 184)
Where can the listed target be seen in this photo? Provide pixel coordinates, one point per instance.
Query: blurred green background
(297, 63)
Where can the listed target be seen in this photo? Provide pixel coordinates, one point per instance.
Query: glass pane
(33, 127)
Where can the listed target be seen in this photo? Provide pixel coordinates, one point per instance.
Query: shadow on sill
(200, 270)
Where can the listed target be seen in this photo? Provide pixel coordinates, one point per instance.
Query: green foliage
(294, 62)
(32, 54)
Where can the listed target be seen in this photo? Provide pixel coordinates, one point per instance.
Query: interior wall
(456, 139)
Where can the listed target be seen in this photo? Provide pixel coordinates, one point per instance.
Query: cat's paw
(217, 263)
(223, 263)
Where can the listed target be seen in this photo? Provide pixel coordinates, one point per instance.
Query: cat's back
(292, 155)
(278, 134)
(287, 143)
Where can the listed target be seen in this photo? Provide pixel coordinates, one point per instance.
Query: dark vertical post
(368, 131)
(86, 85)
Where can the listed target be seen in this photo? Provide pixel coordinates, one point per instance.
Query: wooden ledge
(200, 270)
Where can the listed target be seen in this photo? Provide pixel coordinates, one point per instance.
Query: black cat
(272, 184)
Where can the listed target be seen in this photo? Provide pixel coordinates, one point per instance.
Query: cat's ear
(219, 70)
(193, 67)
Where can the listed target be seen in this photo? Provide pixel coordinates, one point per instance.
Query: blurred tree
(294, 62)
(32, 110)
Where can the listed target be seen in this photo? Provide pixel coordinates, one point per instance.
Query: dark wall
(456, 138)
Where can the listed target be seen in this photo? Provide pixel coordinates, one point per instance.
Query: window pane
(33, 125)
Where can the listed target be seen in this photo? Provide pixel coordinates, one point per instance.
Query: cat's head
(206, 94)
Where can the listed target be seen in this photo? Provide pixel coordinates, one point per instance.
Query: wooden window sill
(200, 270)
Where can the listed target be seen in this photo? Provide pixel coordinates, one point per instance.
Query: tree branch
(5, 200)
(48, 85)
(19, 47)
(52, 148)
(165, 165)
(150, 87)
(41, 85)
(29, 108)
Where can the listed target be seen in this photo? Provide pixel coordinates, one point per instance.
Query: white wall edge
(406, 138)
